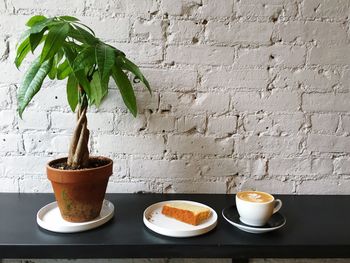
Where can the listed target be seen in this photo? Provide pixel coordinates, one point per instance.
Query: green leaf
(72, 92)
(82, 35)
(69, 18)
(83, 81)
(54, 41)
(63, 70)
(70, 53)
(125, 88)
(98, 90)
(80, 75)
(22, 52)
(32, 82)
(35, 40)
(85, 59)
(88, 28)
(41, 25)
(105, 60)
(53, 70)
(130, 66)
(35, 19)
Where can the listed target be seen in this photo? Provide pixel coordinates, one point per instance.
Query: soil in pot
(80, 193)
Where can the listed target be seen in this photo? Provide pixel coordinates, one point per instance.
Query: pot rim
(48, 165)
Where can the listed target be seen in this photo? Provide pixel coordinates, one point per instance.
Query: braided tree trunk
(78, 155)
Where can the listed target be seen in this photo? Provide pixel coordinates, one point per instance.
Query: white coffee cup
(255, 208)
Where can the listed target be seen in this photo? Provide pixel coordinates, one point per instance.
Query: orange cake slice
(186, 212)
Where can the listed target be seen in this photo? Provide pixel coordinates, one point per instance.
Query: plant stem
(78, 155)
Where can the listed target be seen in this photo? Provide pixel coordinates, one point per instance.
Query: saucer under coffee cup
(255, 207)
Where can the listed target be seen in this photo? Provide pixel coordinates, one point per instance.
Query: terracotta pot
(80, 193)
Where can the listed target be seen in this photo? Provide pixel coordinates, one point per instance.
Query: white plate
(49, 217)
(161, 224)
(231, 215)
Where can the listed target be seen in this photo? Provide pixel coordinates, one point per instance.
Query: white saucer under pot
(49, 218)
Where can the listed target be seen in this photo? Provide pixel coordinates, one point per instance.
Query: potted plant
(71, 51)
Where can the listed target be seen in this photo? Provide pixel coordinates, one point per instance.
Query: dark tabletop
(317, 227)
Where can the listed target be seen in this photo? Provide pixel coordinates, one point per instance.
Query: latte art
(255, 196)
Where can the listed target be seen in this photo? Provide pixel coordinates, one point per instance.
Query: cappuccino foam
(255, 196)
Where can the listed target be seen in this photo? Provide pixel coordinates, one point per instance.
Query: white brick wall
(247, 94)
(232, 80)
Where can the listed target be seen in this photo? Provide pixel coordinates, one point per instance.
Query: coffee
(255, 196)
(255, 208)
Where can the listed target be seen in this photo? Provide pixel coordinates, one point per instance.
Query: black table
(317, 227)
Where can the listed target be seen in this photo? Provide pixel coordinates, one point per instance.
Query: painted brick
(223, 125)
(345, 121)
(140, 8)
(191, 123)
(47, 5)
(171, 79)
(163, 169)
(184, 31)
(198, 145)
(5, 98)
(35, 184)
(324, 123)
(8, 69)
(223, 78)
(201, 103)
(342, 166)
(178, 8)
(206, 55)
(7, 118)
(226, 167)
(283, 56)
(33, 120)
(337, 9)
(142, 53)
(148, 30)
(100, 121)
(276, 101)
(63, 121)
(120, 170)
(268, 145)
(44, 142)
(328, 143)
(266, 8)
(118, 28)
(320, 32)
(300, 166)
(211, 187)
(130, 144)
(307, 79)
(10, 143)
(239, 33)
(330, 56)
(277, 124)
(342, 187)
(28, 165)
(2, 7)
(161, 123)
(222, 167)
(129, 187)
(8, 184)
(261, 85)
(126, 123)
(317, 102)
(114, 101)
(51, 96)
(214, 9)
